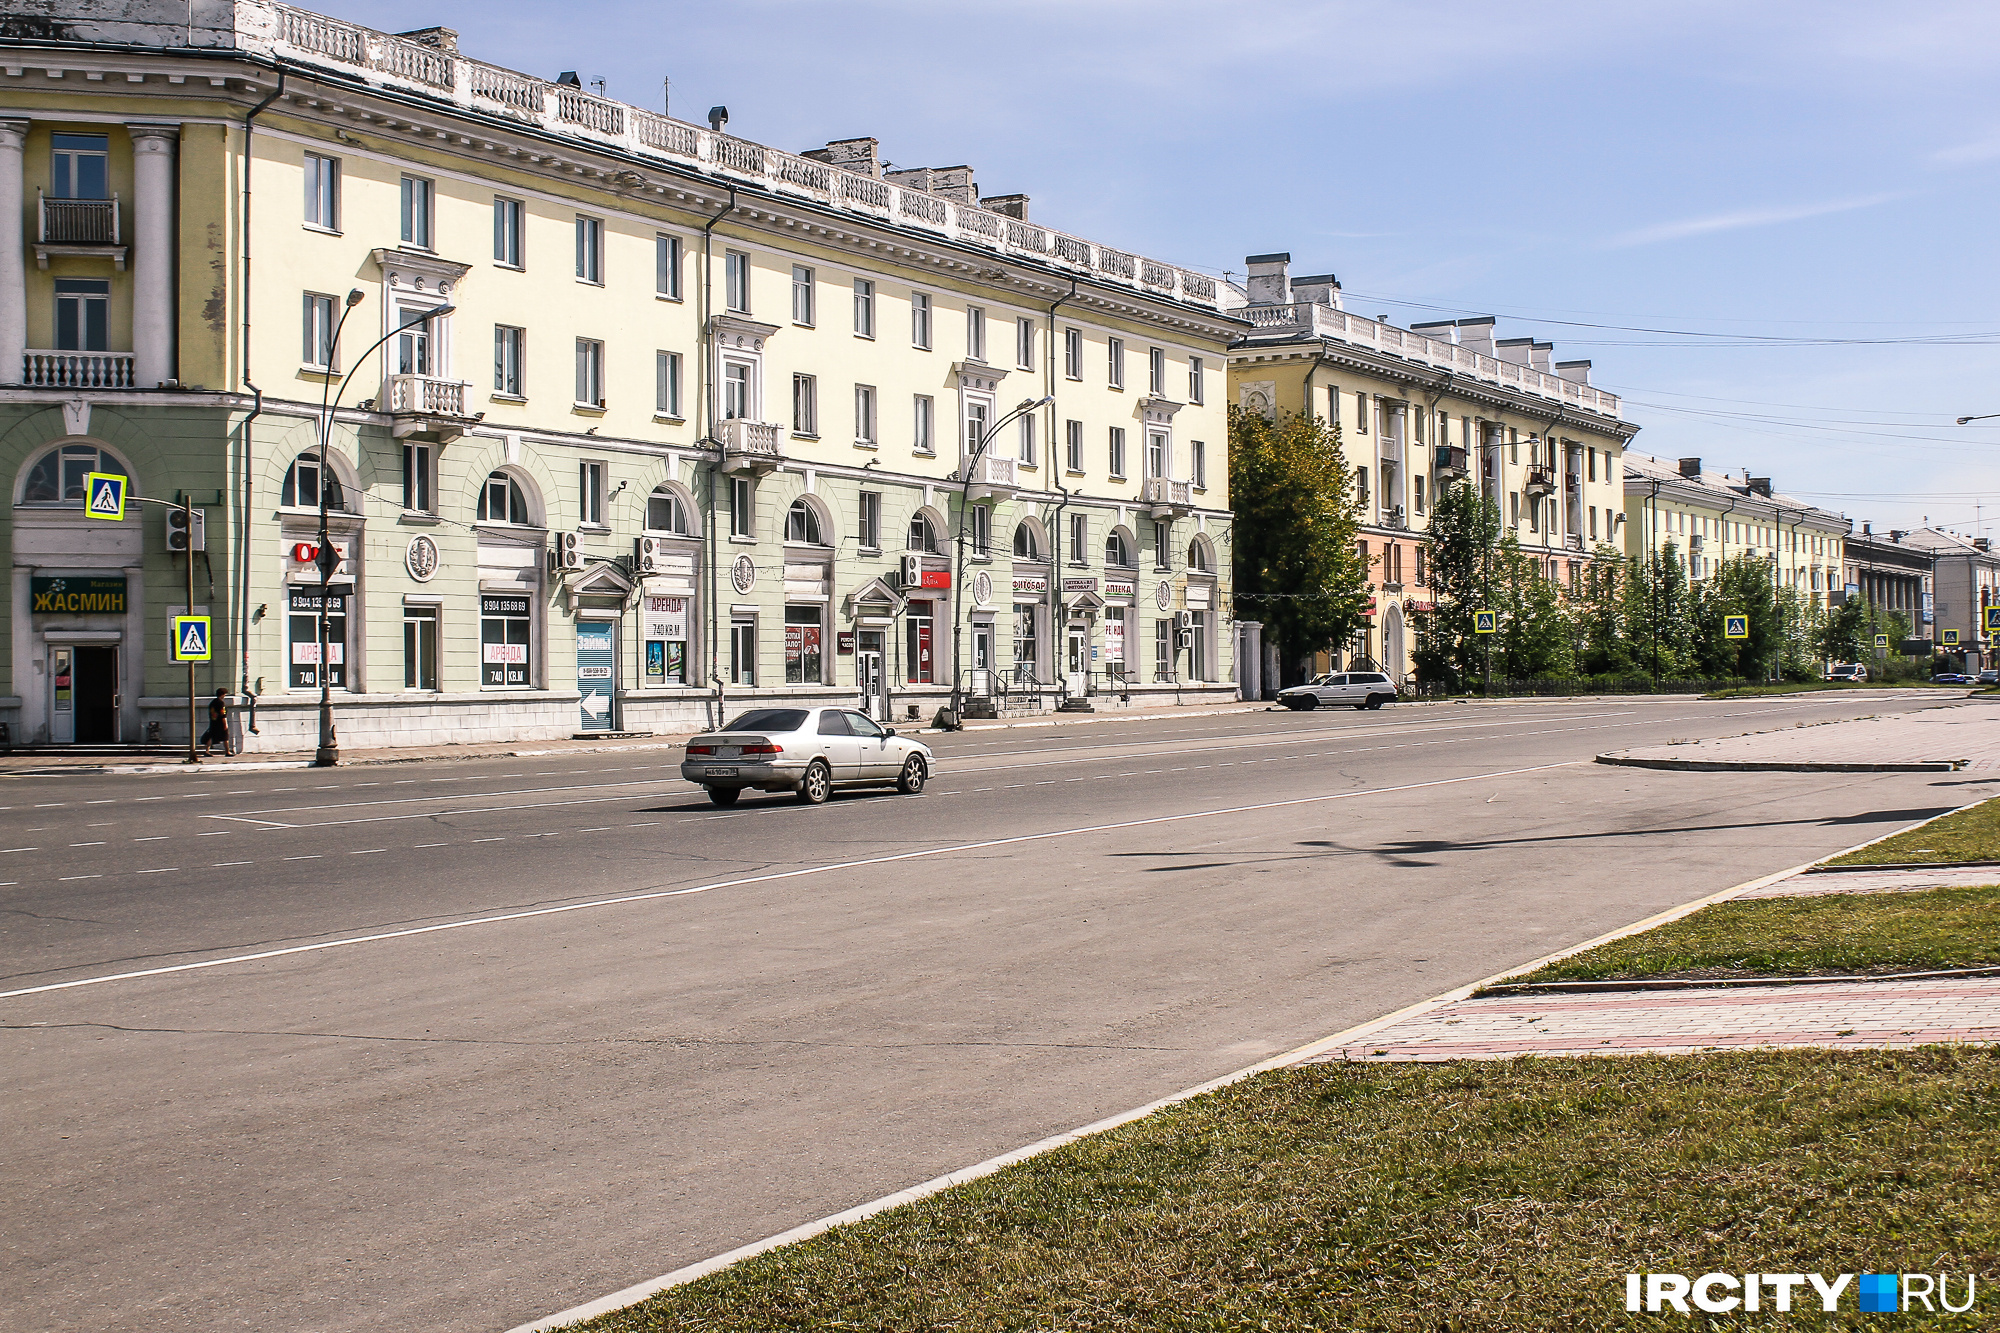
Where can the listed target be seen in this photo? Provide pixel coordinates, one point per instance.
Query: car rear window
(769, 719)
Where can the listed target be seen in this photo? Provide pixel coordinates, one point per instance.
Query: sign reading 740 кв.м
(79, 596)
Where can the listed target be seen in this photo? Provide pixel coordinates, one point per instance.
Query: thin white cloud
(1965, 154)
(1749, 217)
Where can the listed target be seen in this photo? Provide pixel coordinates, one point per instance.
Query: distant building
(1892, 577)
(1965, 574)
(1710, 517)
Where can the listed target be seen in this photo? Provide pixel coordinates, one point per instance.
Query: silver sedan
(809, 751)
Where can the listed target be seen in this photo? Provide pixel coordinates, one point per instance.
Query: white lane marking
(372, 851)
(246, 819)
(52, 805)
(315, 856)
(157, 837)
(218, 833)
(86, 844)
(148, 798)
(70, 877)
(163, 870)
(420, 846)
(231, 863)
(489, 840)
(773, 877)
(20, 849)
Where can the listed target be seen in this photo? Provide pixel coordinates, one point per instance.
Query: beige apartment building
(1419, 408)
(632, 420)
(1710, 517)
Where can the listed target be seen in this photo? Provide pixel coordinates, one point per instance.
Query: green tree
(1599, 612)
(1535, 638)
(1844, 636)
(1294, 554)
(1464, 537)
(1741, 585)
(1659, 614)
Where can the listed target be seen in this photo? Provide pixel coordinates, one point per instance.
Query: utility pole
(187, 513)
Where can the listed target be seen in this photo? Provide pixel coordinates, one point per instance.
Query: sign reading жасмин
(78, 595)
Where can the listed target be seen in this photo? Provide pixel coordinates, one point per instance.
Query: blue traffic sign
(104, 495)
(191, 638)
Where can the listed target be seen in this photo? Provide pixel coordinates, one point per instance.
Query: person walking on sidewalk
(218, 723)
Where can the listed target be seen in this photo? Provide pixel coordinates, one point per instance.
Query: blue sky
(1810, 187)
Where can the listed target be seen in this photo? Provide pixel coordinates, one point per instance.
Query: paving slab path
(1962, 736)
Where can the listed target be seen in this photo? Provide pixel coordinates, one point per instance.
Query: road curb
(1761, 766)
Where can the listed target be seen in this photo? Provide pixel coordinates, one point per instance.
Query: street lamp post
(958, 564)
(326, 559)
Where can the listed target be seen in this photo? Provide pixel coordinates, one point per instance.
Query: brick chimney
(1690, 467)
(953, 183)
(1576, 372)
(1008, 205)
(1269, 283)
(1761, 486)
(855, 155)
(1323, 289)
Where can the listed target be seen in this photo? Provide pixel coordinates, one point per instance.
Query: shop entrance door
(868, 674)
(982, 660)
(597, 674)
(1077, 661)
(84, 704)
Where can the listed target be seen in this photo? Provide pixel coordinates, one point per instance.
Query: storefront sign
(1079, 585)
(1120, 588)
(81, 596)
(307, 599)
(934, 578)
(1030, 583)
(665, 617)
(843, 642)
(1114, 640)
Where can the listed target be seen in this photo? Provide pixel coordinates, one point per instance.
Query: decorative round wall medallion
(421, 558)
(743, 574)
(1163, 595)
(982, 587)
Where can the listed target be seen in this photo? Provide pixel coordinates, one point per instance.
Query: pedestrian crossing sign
(1951, 638)
(1992, 614)
(104, 495)
(191, 638)
(1485, 622)
(1736, 627)
(1881, 643)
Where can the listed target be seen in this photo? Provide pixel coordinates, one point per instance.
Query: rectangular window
(1592, 463)
(870, 515)
(417, 208)
(80, 166)
(1079, 539)
(590, 494)
(743, 652)
(1024, 642)
(975, 333)
(590, 250)
(1195, 386)
(667, 266)
(975, 426)
(805, 405)
(83, 315)
(1114, 642)
(864, 308)
(920, 320)
(1116, 460)
(736, 281)
(919, 654)
(1073, 353)
(802, 295)
(982, 529)
(1115, 361)
(742, 514)
(506, 641)
(1417, 493)
(1163, 650)
(590, 372)
(1361, 485)
(417, 478)
(1421, 580)
(1073, 445)
(509, 357)
(1028, 440)
(1157, 458)
(1360, 413)
(924, 413)
(1198, 458)
(320, 318)
(665, 627)
(1163, 544)
(864, 414)
(323, 192)
(420, 648)
(1593, 522)
(1024, 343)
(302, 618)
(804, 655)
(507, 231)
(1514, 509)
(667, 388)
(1156, 372)
(735, 390)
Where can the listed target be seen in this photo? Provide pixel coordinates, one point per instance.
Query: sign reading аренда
(63, 595)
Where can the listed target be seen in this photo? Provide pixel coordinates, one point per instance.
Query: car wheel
(1304, 703)
(817, 784)
(724, 795)
(911, 783)
(1377, 700)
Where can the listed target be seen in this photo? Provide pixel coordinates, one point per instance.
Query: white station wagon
(1356, 689)
(809, 751)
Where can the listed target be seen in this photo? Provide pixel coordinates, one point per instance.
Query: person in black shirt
(218, 723)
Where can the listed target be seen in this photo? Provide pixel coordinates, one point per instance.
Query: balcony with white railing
(448, 79)
(749, 446)
(994, 476)
(1315, 319)
(77, 370)
(1167, 496)
(426, 405)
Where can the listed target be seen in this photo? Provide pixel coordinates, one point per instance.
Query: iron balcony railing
(79, 221)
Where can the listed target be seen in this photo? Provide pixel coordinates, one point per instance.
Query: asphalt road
(458, 1045)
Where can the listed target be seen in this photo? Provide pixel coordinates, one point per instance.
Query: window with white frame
(975, 333)
(1073, 353)
(418, 207)
(1156, 372)
(742, 508)
(1196, 390)
(920, 320)
(864, 308)
(507, 219)
(590, 494)
(1158, 458)
(667, 512)
(667, 266)
(805, 405)
(1360, 412)
(864, 414)
(735, 390)
(1115, 362)
(506, 641)
(501, 500)
(80, 166)
(1116, 459)
(975, 425)
(590, 250)
(321, 314)
(510, 348)
(322, 192)
(420, 647)
(802, 295)
(1162, 544)
(736, 281)
(743, 650)
(1198, 464)
(308, 483)
(982, 528)
(924, 413)
(802, 524)
(1073, 445)
(868, 517)
(589, 372)
(1024, 542)
(667, 384)
(1116, 552)
(921, 536)
(1024, 343)
(1028, 440)
(1079, 539)
(83, 315)
(418, 462)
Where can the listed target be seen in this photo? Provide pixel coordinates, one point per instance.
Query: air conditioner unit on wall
(913, 571)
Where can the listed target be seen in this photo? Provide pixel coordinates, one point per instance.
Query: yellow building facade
(1420, 408)
(1709, 517)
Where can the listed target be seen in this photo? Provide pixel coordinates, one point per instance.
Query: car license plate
(714, 772)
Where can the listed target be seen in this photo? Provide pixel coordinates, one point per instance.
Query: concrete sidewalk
(1961, 735)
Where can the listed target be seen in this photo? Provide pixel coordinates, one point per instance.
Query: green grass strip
(1507, 1195)
(1971, 834)
(1821, 936)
